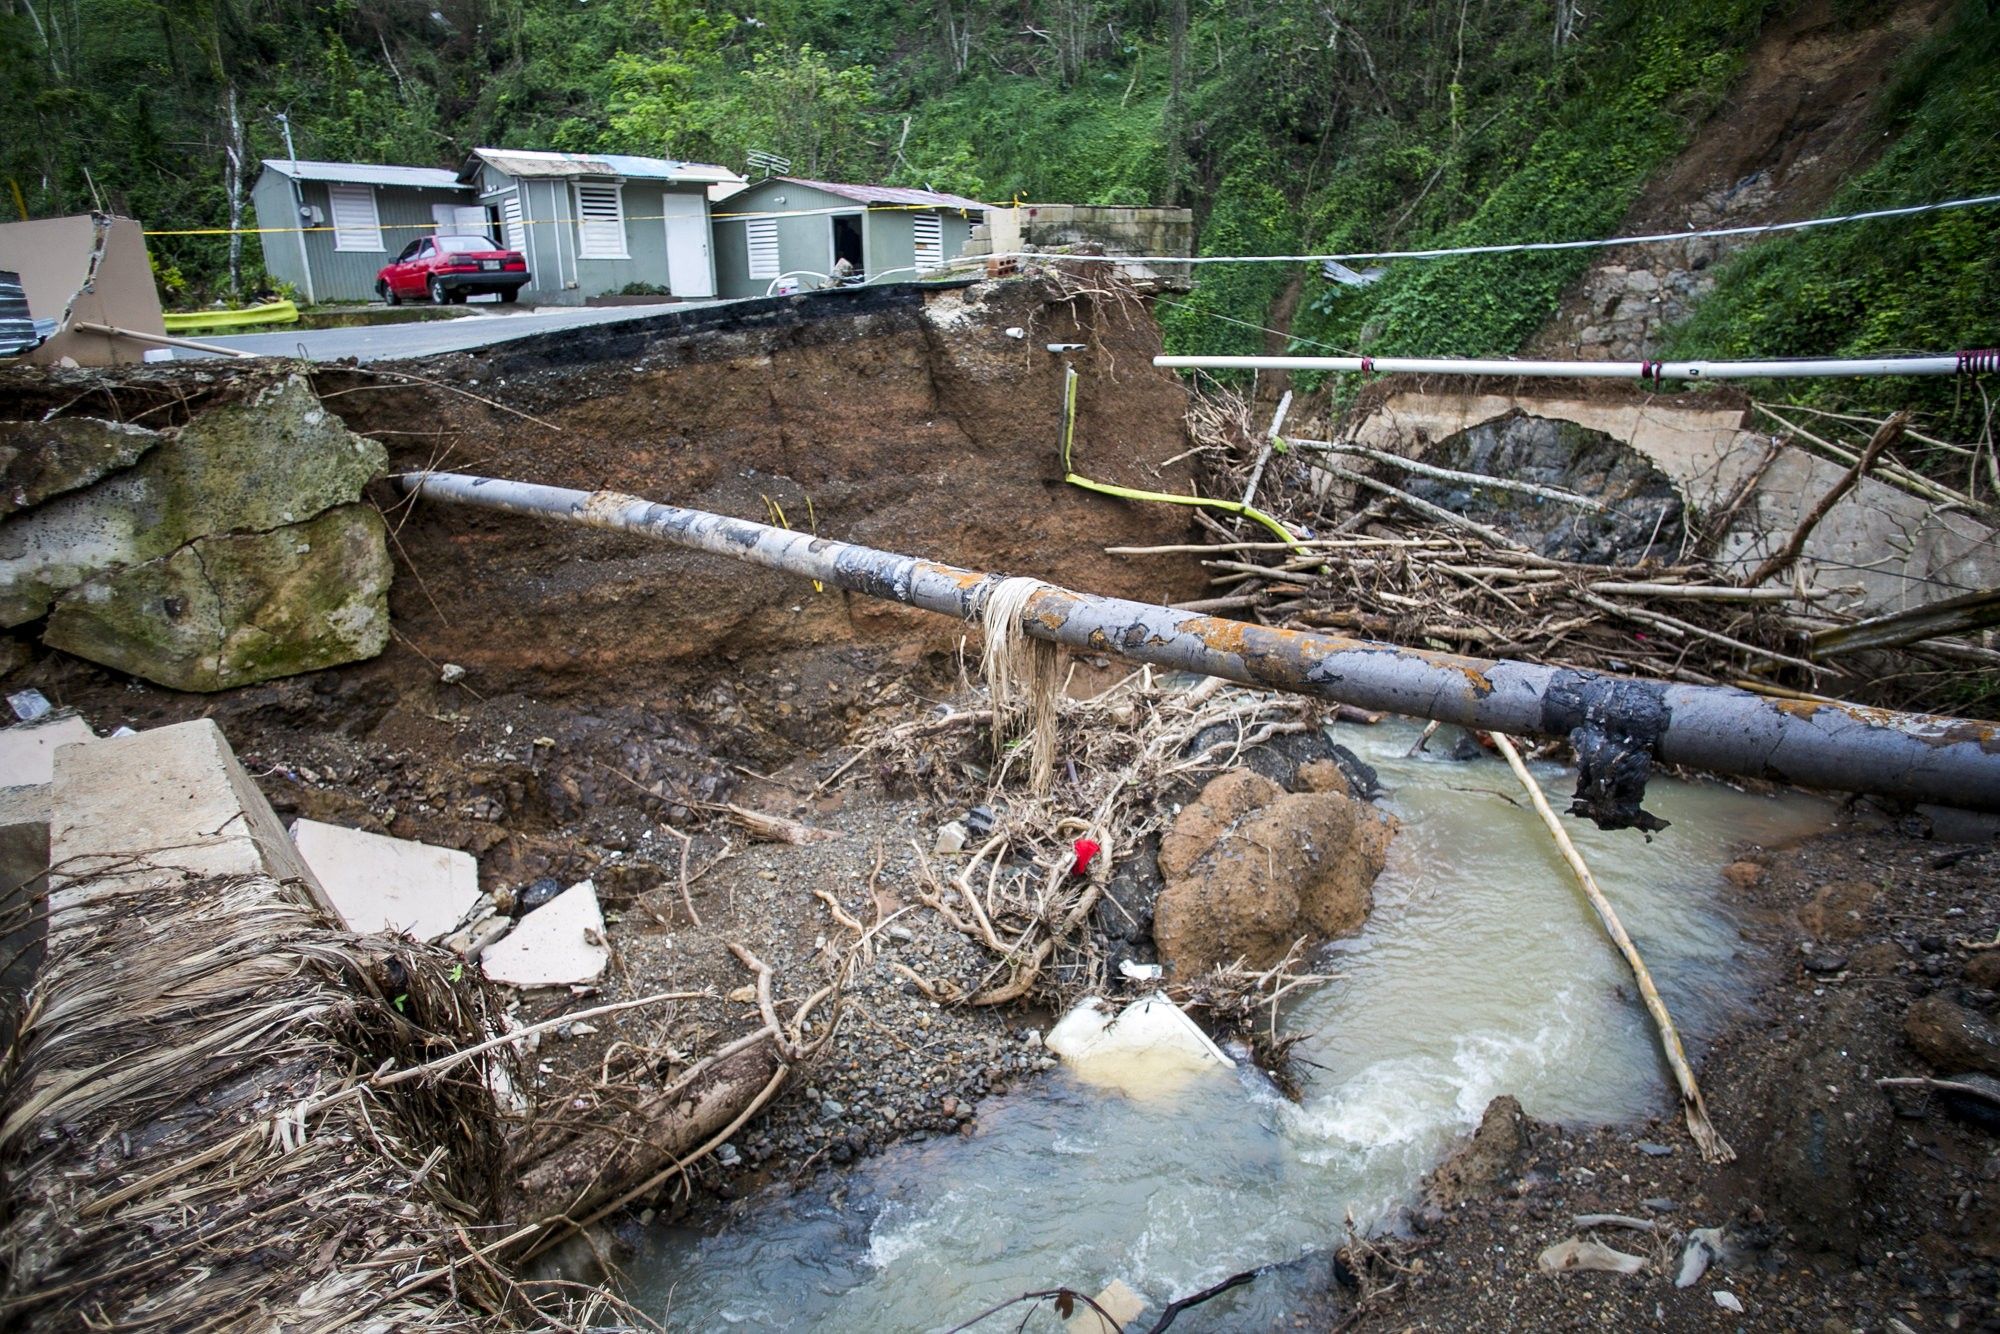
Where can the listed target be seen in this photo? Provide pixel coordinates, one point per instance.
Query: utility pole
(284, 120)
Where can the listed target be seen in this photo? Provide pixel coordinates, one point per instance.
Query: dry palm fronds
(192, 1140)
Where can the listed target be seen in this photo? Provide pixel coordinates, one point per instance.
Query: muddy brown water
(1481, 972)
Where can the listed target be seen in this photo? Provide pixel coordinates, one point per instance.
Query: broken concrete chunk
(1574, 1253)
(559, 944)
(378, 883)
(41, 459)
(471, 942)
(128, 809)
(240, 608)
(278, 459)
(1149, 1047)
(28, 752)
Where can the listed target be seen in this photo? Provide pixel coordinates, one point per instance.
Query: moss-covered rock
(240, 608)
(41, 459)
(277, 458)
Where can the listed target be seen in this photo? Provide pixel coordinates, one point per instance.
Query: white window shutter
(600, 222)
(929, 229)
(510, 222)
(356, 225)
(762, 236)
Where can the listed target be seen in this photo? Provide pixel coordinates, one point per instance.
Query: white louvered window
(510, 221)
(600, 222)
(356, 225)
(929, 229)
(762, 237)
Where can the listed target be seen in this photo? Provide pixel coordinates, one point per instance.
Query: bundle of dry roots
(1385, 563)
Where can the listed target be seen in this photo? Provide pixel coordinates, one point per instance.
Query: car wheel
(509, 296)
(438, 297)
(388, 294)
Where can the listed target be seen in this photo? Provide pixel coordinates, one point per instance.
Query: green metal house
(592, 224)
(328, 227)
(785, 232)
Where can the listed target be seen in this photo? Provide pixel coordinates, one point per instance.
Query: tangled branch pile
(1119, 759)
(1386, 563)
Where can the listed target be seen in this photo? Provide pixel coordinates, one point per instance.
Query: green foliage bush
(1924, 284)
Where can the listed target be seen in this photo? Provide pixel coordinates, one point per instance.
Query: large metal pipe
(1955, 364)
(1618, 723)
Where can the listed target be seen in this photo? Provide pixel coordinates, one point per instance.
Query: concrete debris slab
(1148, 1048)
(172, 801)
(559, 944)
(378, 883)
(28, 751)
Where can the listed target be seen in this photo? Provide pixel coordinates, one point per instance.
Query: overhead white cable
(1517, 247)
(1958, 363)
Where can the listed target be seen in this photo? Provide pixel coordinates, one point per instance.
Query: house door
(847, 243)
(689, 271)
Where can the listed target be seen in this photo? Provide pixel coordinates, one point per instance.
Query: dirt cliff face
(917, 421)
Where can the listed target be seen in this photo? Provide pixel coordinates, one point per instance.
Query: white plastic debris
(1140, 972)
(1147, 1048)
(1728, 1301)
(950, 839)
(1118, 1300)
(452, 674)
(28, 705)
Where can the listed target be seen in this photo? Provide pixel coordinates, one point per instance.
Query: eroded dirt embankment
(921, 423)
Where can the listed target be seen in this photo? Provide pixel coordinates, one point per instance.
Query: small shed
(594, 224)
(328, 227)
(786, 226)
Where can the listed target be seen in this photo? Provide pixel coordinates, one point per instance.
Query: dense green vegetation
(1924, 284)
(1350, 125)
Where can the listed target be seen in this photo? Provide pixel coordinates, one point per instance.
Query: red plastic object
(1086, 850)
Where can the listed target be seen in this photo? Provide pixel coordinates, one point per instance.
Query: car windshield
(462, 243)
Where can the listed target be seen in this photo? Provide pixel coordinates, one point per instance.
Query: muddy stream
(1481, 972)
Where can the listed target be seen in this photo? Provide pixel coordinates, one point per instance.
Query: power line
(1521, 247)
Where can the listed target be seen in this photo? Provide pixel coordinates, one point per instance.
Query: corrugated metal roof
(887, 194)
(364, 173)
(534, 164)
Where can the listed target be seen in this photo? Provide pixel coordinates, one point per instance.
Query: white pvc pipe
(1583, 370)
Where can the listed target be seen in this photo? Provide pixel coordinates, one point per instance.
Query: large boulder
(231, 551)
(1249, 868)
(229, 610)
(276, 458)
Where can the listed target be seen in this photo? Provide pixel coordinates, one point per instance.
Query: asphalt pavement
(484, 325)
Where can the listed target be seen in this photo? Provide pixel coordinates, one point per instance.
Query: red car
(452, 268)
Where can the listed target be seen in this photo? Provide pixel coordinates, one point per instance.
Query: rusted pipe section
(1617, 724)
